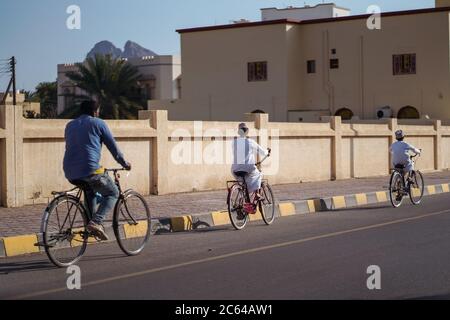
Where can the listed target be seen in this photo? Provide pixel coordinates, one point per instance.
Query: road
(320, 256)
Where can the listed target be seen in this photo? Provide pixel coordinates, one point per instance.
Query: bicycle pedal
(43, 245)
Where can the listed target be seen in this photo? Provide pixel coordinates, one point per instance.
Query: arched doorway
(258, 111)
(344, 113)
(408, 112)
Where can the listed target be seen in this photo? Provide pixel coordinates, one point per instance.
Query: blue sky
(35, 31)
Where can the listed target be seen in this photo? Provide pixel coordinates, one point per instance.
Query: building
(160, 79)
(301, 70)
(320, 11)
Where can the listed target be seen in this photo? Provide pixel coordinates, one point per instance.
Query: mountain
(104, 48)
(131, 50)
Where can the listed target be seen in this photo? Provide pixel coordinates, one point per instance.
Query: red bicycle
(241, 205)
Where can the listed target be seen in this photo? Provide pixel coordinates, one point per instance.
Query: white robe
(244, 159)
(400, 154)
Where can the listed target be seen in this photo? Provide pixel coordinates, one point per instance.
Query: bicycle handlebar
(264, 159)
(116, 170)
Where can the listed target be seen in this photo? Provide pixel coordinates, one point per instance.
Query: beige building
(300, 70)
(160, 79)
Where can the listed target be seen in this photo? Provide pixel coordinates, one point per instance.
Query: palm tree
(46, 94)
(113, 83)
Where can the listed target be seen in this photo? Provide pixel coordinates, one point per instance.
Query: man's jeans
(103, 185)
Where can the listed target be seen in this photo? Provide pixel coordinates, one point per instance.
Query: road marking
(287, 209)
(15, 246)
(361, 199)
(431, 190)
(381, 196)
(339, 202)
(311, 206)
(445, 188)
(221, 218)
(234, 254)
(183, 223)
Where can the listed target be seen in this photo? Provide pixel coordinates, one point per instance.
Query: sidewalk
(27, 220)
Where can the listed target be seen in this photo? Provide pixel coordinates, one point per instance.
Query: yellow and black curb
(26, 244)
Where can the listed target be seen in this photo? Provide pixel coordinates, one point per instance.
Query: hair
(401, 139)
(243, 131)
(89, 107)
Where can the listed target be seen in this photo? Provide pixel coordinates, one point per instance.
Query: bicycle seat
(400, 166)
(241, 174)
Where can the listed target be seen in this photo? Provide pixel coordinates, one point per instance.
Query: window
(257, 71)
(404, 64)
(311, 66)
(334, 63)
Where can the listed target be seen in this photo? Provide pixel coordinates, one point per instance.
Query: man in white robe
(245, 151)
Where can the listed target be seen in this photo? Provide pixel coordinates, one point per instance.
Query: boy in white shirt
(401, 153)
(245, 151)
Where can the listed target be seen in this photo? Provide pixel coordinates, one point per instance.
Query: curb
(25, 244)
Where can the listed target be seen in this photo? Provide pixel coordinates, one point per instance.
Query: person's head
(89, 107)
(399, 135)
(243, 130)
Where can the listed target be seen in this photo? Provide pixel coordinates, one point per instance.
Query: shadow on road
(26, 266)
(43, 265)
(436, 297)
(362, 208)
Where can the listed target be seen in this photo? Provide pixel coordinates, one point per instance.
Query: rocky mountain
(104, 48)
(131, 50)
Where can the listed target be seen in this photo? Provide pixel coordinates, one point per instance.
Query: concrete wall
(215, 82)
(183, 156)
(32, 151)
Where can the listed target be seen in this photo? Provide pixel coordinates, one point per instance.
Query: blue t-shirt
(84, 138)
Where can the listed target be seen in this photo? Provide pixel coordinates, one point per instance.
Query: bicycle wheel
(396, 189)
(416, 187)
(267, 204)
(64, 231)
(132, 223)
(236, 200)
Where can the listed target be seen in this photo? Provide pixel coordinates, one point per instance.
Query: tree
(113, 83)
(46, 94)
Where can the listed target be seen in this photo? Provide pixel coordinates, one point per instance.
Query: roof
(326, 20)
(309, 7)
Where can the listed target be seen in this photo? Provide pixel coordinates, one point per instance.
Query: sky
(36, 32)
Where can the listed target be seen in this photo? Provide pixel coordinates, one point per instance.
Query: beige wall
(31, 152)
(35, 168)
(214, 67)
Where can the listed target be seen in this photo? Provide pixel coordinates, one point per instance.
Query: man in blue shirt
(84, 138)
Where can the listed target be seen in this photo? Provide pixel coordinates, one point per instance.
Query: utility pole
(13, 72)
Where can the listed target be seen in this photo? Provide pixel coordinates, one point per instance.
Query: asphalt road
(321, 256)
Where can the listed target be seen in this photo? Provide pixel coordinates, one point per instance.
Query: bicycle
(399, 187)
(240, 206)
(64, 223)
